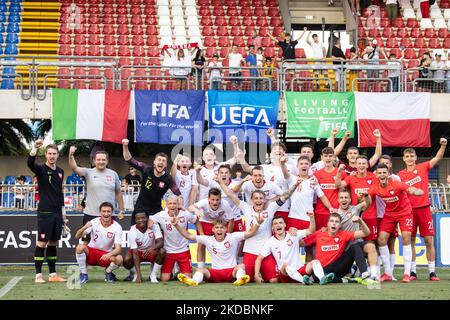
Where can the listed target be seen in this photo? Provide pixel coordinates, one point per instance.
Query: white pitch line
(11, 284)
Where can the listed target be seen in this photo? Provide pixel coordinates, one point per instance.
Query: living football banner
(315, 114)
(169, 116)
(246, 115)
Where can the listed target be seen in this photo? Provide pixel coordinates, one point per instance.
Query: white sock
(379, 266)
(413, 267)
(294, 274)
(384, 254)
(156, 268)
(431, 266)
(112, 267)
(317, 269)
(407, 257)
(133, 270)
(240, 273)
(392, 260)
(81, 259)
(198, 277)
(200, 264)
(373, 271)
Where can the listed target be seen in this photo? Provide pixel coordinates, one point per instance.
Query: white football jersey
(274, 174)
(144, 240)
(270, 189)
(286, 251)
(319, 165)
(234, 209)
(224, 253)
(207, 174)
(104, 238)
(254, 244)
(302, 199)
(185, 183)
(174, 242)
(209, 215)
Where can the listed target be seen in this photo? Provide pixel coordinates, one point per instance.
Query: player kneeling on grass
(223, 248)
(145, 245)
(285, 248)
(104, 248)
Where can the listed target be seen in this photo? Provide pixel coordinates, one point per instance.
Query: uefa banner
(315, 114)
(169, 116)
(246, 115)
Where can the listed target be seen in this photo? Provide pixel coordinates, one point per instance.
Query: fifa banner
(18, 235)
(169, 116)
(246, 115)
(315, 114)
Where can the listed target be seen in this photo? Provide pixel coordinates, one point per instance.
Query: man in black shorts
(155, 183)
(51, 214)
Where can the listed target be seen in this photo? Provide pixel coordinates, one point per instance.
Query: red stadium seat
(277, 31)
(416, 33)
(208, 31)
(398, 23)
(216, 2)
(138, 51)
(261, 22)
(65, 39)
(79, 50)
(124, 51)
(94, 9)
(209, 42)
(406, 42)
(236, 31)
(206, 21)
(171, 85)
(137, 40)
(135, 10)
(64, 50)
(152, 2)
(204, 11)
(123, 30)
(391, 43)
(94, 19)
(429, 33)
(81, 29)
(422, 51)
(397, 52)
(124, 61)
(151, 30)
(224, 42)
(300, 53)
(121, 10)
(420, 43)
(412, 23)
(269, 52)
(136, 2)
(152, 41)
(374, 32)
(402, 33)
(220, 21)
(223, 53)
(259, 12)
(247, 22)
(248, 30)
(266, 42)
(155, 85)
(234, 21)
(108, 9)
(446, 43)
(151, 21)
(108, 29)
(94, 50)
(138, 60)
(388, 32)
(276, 22)
(263, 31)
(222, 31)
(79, 39)
(109, 40)
(413, 63)
(210, 51)
(123, 40)
(434, 43)
(150, 10)
(137, 29)
(443, 33)
(246, 11)
(153, 52)
(273, 12)
(108, 19)
(109, 51)
(384, 22)
(239, 41)
(218, 11)
(136, 20)
(232, 11)
(122, 19)
(410, 53)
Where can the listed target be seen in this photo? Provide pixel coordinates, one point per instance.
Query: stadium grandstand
(386, 61)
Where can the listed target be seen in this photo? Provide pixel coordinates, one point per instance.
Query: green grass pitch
(97, 289)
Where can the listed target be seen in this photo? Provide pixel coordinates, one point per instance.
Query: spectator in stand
(36, 191)
(353, 74)
(288, 47)
(251, 60)
(425, 8)
(268, 73)
(339, 58)
(238, 175)
(235, 61)
(255, 39)
(447, 76)
(424, 72)
(215, 72)
(394, 75)
(181, 68)
(438, 68)
(391, 9)
(355, 6)
(319, 52)
(199, 63)
(133, 180)
(373, 56)
(20, 190)
(260, 57)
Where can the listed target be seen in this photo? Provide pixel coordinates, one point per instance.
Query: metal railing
(26, 196)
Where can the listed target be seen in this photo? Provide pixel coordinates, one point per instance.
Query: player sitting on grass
(104, 248)
(145, 245)
(285, 248)
(223, 248)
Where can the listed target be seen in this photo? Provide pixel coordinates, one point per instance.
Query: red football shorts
(422, 219)
(393, 235)
(221, 275)
(286, 279)
(238, 226)
(321, 220)
(207, 228)
(372, 223)
(94, 255)
(183, 259)
(297, 223)
(389, 223)
(268, 270)
(150, 257)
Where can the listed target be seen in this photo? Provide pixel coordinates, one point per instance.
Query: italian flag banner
(90, 114)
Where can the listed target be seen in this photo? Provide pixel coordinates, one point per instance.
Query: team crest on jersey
(60, 175)
(415, 171)
(110, 235)
(289, 242)
(161, 184)
(43, 235)
(392, 192)
(108, 178)
(265, 214)
(227, 244)
(181, 220)
(151, 234)
(336, 239)
(369, 181)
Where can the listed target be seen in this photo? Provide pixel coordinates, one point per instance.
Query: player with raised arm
(260, 208)
(353, 153)
(184, 177)
(155, 182)
(398, 211)
(176, 246)
(285, 247)
(146, 244)
(223, 248)
(416, 174)
(51, 212)
(207, 211)
(105, 247)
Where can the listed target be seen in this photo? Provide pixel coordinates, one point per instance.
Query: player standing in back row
(50, 213)
(417, 175)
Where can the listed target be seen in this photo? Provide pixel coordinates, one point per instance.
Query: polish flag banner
(403, 118)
